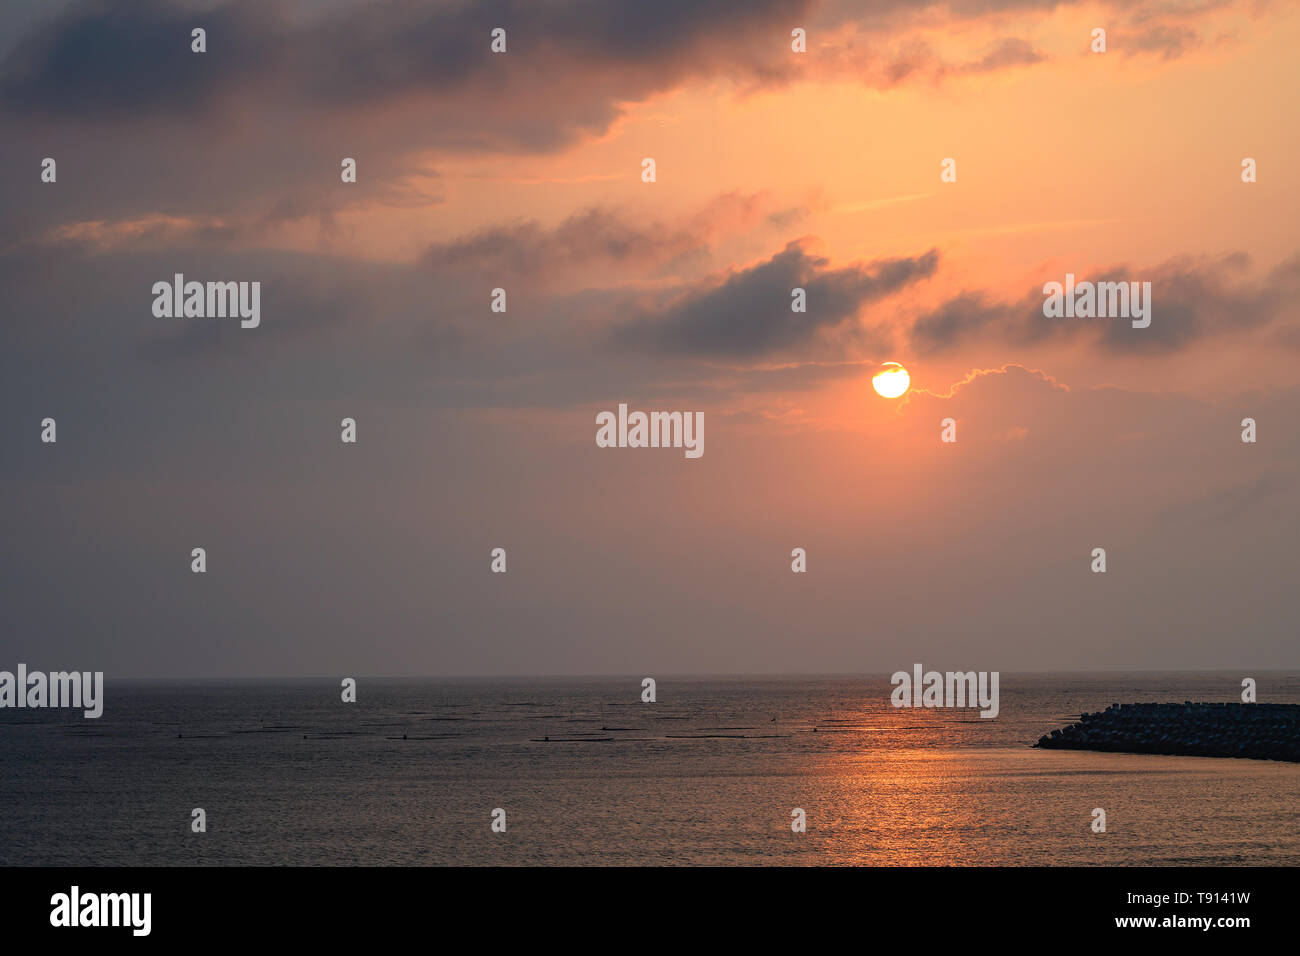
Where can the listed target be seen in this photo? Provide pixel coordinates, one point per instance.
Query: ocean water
(709, 774)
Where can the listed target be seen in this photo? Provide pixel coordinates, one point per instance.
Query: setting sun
(891, 381)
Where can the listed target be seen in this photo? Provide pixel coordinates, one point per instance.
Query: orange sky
(774, 169)
(1076, 163)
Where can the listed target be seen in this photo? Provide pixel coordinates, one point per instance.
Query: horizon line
(701, 675)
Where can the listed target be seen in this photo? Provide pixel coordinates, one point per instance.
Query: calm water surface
(709, 774)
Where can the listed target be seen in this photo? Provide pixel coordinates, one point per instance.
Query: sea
(582, 772)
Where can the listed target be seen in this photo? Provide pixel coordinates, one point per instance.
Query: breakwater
(1259, 731)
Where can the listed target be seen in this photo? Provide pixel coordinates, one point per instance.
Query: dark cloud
(1191, 300)
(101, 59)
(569, 64)
(332, 329)
(749, 312)
(529, 249)
(955, 321)
(140, 125)
(598, 239)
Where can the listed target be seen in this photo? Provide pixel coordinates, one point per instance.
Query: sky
(523, 170)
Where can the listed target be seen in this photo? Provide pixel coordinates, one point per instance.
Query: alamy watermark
(75, 908)
(951, 689)
(82, 689)
(651, 430)
(1101, 300)
(212, 300)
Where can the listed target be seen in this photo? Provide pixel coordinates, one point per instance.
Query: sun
(891, 381)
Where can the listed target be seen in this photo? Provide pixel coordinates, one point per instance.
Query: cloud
(1169, 40)
(570, 64)
(104, 61)
(1031, 379)
(1193, 299)
(1007, 52)
(915, 59)
(597, 240)
(141, 126)
(748, 313)
(954, 322)
(101, 60)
